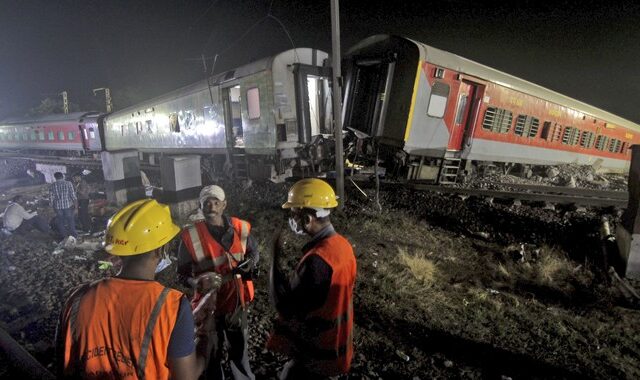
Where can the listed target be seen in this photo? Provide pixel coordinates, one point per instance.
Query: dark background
(589, 50)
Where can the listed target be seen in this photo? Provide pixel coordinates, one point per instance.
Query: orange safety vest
(208, 255)
(118, 328)
(324, 338)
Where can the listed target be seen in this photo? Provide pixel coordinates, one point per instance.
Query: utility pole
(107, 96)
(337, 99)
(65, 102)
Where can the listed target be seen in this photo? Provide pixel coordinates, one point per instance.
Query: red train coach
(438, 111)
(60, 134)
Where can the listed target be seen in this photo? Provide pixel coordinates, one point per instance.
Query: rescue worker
(130, 326)
(222, 244)
(315, 308)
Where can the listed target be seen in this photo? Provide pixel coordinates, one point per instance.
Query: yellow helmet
(139, 227)
(311, 193)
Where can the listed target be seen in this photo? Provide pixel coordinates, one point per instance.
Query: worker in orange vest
(130, 326)
(315, 307)
(224, 245)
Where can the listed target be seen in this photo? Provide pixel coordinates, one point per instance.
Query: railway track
(545, 195)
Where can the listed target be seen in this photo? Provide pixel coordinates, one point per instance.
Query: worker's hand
(208, 281)
(244, 269)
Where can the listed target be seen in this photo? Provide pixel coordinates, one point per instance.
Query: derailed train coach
(73, 134)
(259, 120)
(434, 115)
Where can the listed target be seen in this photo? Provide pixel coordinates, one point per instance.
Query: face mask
(297, 229)
(164, 263)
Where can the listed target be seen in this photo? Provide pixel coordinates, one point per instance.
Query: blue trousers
(66, 222)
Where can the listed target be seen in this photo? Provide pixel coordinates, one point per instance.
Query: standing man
(17, 219)
(82, 192)
(225, 246)
(64, 202)
(131, 326)
(315, 307)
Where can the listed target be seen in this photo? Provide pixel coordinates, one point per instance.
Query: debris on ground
(437, 283)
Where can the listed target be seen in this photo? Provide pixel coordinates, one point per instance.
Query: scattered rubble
(513, 292)
(569, 175)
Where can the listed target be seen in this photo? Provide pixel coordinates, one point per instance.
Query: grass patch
(419, 265)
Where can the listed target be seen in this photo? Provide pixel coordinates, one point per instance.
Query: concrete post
(181, 183)
(122, 176)
(628, 231)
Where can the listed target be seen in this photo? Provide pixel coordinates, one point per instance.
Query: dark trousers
(66, 222)
(295, 369)
(83, 214)
(232, 328)
(36, 222)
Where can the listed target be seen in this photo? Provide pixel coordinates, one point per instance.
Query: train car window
(71, 136)
(586, 139)
(253, 103)
(557, 132)
(462, 105)
(41, 135)
(51, 136)
(570, 136)
(526, 126)
(187, 120)
(138, 127)
(149, 125)
(174, 123)
(601, 142)
(497, 120)
(61, 135)
(92, 133)
(25, 136)
(614, 146)
(623, 150)
(438, 100)
(32, 136)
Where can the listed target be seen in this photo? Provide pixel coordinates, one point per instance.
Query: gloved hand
(208, 281)
(244, 269)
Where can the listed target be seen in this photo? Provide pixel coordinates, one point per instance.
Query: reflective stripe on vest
(148, 332)
(319, 325)
(197, 244)
(203, 260)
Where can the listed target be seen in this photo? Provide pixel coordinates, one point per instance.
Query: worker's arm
(188, 367)
(308, 288)
(185, 360)
(26, 215)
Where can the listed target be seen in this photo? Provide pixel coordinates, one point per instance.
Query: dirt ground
(446, 288)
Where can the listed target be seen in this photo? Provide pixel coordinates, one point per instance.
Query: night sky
(142, 48)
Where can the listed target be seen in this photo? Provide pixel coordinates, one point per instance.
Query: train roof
(226, 76)
(59, 117)
(467, 66)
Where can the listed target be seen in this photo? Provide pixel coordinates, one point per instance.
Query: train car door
(313, 100)
(233, 116)
(468, 102)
